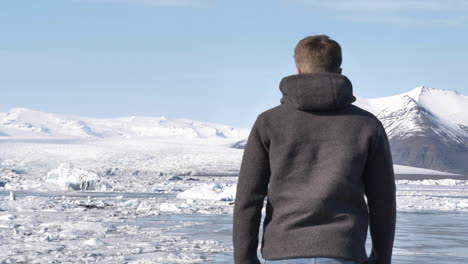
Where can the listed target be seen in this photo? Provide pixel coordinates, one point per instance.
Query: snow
(449, 106)
(23, 122)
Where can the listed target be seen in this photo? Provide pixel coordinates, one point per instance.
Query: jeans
(311, 261)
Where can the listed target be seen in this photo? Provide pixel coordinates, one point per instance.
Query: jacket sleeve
(252, 188)
(381, 198)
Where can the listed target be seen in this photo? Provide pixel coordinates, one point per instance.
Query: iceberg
(69, 177)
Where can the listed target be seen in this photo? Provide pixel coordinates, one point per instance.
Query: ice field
(170, 200)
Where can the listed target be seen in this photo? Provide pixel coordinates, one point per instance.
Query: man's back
(315, 156)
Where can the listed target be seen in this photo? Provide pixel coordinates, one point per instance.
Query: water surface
(421, 237)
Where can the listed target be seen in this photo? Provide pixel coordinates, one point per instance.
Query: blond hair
(318, 53)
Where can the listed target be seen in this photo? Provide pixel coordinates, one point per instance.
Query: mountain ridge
(426, 127)
(25, 122)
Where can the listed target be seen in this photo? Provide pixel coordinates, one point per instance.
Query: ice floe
(450, 182)
(209, 191)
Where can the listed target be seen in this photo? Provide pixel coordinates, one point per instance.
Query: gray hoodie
(326, 169)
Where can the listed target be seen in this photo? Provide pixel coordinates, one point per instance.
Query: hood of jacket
(323, 91)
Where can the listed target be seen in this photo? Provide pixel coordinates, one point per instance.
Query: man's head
(318, 54)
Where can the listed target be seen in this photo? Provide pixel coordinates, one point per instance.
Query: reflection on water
(421, 237)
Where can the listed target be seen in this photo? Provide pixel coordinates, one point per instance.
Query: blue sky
(214, 60)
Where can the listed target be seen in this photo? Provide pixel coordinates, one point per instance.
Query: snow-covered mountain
(426, 127)
(27, 123)
(446, 104)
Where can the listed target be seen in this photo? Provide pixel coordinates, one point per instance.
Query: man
(325, 166)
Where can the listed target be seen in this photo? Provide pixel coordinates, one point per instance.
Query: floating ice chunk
(448, 182)
(463, 203)
(12, 196)
(17, 259)
(94, 242)
(111, 228)
(169, 207)
(209, 191)
(69, 177)
(175, 178)
(134, 203)
(49, 237)
(8, 217)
